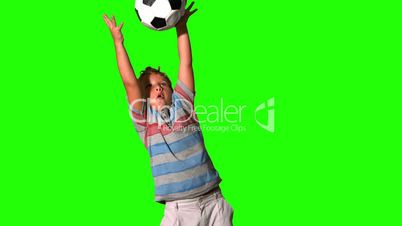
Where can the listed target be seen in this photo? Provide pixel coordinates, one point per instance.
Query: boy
(185, 178)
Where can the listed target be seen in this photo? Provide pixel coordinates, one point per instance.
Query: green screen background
(70, 154)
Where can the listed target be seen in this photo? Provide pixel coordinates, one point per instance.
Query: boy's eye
(163, 84)
(147, 86)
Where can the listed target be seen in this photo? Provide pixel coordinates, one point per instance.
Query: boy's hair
(150, 70)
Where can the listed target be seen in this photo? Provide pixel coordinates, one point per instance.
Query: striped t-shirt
(180, 164)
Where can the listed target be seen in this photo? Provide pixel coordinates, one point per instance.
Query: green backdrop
(70, 155)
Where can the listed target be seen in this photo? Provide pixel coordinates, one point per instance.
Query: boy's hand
(115, 30)
(183, 21)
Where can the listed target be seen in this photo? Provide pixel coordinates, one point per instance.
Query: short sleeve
(183, 97)
(184, 91)
(139, 118)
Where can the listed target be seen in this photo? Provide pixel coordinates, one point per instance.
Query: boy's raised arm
(186, 74)
(131, 84)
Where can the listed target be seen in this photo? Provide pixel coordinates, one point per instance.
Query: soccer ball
(160, 14)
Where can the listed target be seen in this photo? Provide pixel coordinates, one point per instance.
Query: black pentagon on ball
(138, 14)
(148, 2)
(175, 4)
(158, 22)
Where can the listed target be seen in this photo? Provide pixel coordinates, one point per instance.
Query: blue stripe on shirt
(176, 147)
(178, 166)
(186, 185)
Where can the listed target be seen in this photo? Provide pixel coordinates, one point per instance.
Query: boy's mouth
(160, 96)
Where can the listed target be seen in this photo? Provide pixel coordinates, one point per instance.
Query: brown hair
(150, 70)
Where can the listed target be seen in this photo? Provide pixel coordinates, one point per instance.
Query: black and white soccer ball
(160, 14)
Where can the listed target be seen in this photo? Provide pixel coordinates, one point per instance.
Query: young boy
(185, 178)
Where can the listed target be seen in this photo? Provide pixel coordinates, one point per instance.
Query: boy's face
(158, 91)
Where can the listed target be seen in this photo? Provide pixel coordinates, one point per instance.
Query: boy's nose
(158, 88)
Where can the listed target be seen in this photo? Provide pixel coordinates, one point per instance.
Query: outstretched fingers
(120, 26)
(114, 21)
(190, 6)
(189, 11)
(192, 12)
(107, 20)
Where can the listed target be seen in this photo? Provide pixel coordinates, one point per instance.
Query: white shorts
(210, 209)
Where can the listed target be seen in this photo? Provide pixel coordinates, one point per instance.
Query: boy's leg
(218, 212)
(185, 215)
(169, 217)
(207, 210)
